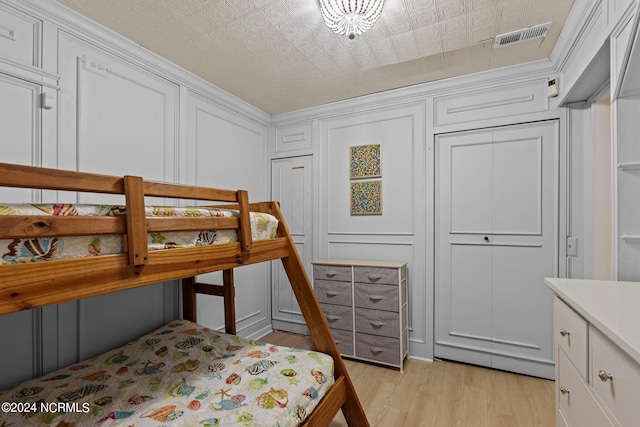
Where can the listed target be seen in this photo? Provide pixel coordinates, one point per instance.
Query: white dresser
(365, 304)
(597, 335)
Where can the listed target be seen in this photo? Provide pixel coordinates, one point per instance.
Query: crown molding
(511, 75)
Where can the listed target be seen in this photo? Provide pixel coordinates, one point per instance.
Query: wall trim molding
(119, 46)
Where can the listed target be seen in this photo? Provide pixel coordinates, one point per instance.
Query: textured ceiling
(279, 56)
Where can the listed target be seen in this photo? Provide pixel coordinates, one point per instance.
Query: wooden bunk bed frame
(36, 284)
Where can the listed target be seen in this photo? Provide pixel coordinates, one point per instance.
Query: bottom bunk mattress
(182, 374)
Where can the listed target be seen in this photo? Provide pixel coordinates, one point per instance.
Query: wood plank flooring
(442, 394)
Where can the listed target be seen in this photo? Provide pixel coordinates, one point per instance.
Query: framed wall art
(366, 197)
(365, 161)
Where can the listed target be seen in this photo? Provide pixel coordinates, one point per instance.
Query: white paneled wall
(405, 122)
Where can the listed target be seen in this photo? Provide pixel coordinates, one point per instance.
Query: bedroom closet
(496, 239)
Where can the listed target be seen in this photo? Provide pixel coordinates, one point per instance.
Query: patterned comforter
(14, 251)
(182, 374)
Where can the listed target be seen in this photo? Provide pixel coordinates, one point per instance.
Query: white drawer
(620, 392)
(19, 36)
(574, 399)
(570, 333)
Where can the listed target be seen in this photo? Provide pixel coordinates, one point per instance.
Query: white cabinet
(598, 352)
(19, 37)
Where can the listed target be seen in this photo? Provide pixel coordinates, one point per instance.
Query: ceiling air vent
(535, 32)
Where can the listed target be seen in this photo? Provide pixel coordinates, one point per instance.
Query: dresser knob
(564, 332)
(604, 376)
(564, 390)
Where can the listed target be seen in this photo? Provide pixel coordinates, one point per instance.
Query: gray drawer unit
(339, 273)
(379, 297)
(338, 316)
(366, 306)
(331, 292)
(344, 341)
(375, 322)
(378, 349)
(380, 276)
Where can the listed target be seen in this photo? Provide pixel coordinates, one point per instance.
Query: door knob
(486, 238)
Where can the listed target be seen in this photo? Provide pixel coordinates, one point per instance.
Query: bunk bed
(35, 273)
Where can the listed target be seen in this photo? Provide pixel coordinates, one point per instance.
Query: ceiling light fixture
(351, 17)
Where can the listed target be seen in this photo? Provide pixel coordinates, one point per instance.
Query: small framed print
(366, 197)
(365, 161)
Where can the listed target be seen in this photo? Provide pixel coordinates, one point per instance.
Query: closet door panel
(517, 180)
(117, 119)
(470, 185)
(522, 309)
(126, 123)
(470, 301)
(20, 143)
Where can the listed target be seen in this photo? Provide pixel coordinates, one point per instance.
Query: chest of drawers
(598, 352)
(365, 304)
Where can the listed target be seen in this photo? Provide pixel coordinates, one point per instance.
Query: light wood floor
(442, 394)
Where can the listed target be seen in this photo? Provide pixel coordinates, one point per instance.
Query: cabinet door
(292, 186)
(497, 240)
(20, 143)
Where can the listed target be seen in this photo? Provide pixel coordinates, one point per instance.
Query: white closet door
(116, 119)
(496, 241)
(292, 186)
(20, 143)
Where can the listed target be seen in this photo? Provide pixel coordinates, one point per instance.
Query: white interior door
(292, 186)
(496, 239)
(20, 143)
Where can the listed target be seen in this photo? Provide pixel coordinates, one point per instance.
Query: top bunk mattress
(16, 251)
(182, 374)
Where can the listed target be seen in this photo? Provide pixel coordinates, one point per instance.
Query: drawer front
(382, 276)
(379, 349)
(570, 333)
(378, 297)
(338, 316)
(18, 36)
(576, 403)
(344, 341)
(332, 292)
(621, 392)
(377, 322)
(332, 272)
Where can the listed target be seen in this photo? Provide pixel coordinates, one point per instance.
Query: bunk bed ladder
(321, 336)
(227, 290)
